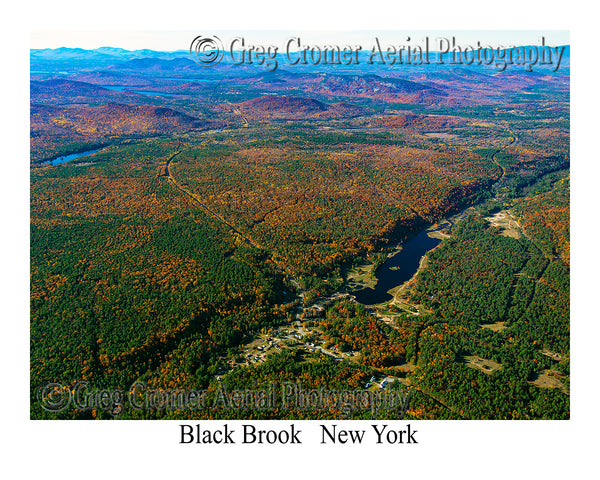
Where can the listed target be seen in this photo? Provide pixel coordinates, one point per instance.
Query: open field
(506, 224)
(486, 366)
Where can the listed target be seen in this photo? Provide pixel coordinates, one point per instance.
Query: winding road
(169, 174)
(195, 199)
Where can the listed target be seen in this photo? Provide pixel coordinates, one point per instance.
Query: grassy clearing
(550, 379)
(495, 327)
(362, 277)
(508, 226)
(553, 355)
(486, 366)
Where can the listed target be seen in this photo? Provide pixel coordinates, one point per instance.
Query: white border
(149, 449)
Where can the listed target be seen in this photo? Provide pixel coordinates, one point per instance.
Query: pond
(397, 269)
(67, 158)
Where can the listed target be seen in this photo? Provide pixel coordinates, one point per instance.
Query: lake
(397, 269)
(126, 88)
(67, 158)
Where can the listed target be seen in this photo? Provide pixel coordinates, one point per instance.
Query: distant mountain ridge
(157, 64)
(66, 88)
(70, 58)
(115, 53)
(76, 58)
(286, 104)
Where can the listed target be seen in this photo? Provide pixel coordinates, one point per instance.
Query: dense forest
(207, 241)
(499, 326)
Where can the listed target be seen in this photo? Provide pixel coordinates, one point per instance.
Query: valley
(219, 228)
